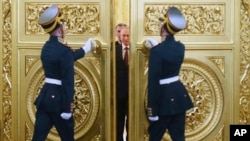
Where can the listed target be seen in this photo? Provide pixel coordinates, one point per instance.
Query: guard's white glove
(87, 46)
(150, 42)
(155, 118)
(66, 116)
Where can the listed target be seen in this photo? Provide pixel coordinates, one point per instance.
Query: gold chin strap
(167, 23)
(57, 20)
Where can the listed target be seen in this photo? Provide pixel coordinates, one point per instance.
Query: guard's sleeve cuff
(155, 118)
(149, 110)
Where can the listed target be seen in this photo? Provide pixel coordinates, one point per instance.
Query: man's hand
(66, 116)
(155, 118)
(88, 45)
(150, 42)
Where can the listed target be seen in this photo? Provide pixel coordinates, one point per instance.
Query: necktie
(126, 56)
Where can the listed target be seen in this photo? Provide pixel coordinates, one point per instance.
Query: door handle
(96, 47)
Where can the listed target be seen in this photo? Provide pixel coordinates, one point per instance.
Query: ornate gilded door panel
(85, 19)
(209, 71)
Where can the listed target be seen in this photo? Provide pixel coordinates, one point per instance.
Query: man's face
(124, 35)
(118, 31)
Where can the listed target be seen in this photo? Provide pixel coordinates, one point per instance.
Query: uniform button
(185, 95)
(53, 96)
(172, 99)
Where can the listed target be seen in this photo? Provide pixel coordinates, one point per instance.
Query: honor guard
(168, 99)
(55, 100)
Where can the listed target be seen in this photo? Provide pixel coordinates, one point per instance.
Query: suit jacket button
(53, 96)
(172, 99)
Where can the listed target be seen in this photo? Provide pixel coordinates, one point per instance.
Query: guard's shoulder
(63, 42)
(156, 49)
(157, 46)
(65, 45)
(180, 44)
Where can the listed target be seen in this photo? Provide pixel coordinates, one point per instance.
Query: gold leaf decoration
(205, 19)
(81, 18)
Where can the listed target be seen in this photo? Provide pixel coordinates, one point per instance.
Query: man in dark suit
(168, 99)
(54, 102)
(122, 78)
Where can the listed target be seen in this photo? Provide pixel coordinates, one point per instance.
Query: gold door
(22, 40)
(215, 69)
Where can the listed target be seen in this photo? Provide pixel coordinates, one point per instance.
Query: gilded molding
(86, 100)
(96, 62)
(205, 19)
(219, 62)
(244, 101)
(30, 60)
(6, 72)
(28, 132)
(81, 18)
(220, 135)
(98, 136)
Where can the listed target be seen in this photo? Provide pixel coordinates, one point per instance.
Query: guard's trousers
(45, 121)
(175, 125)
